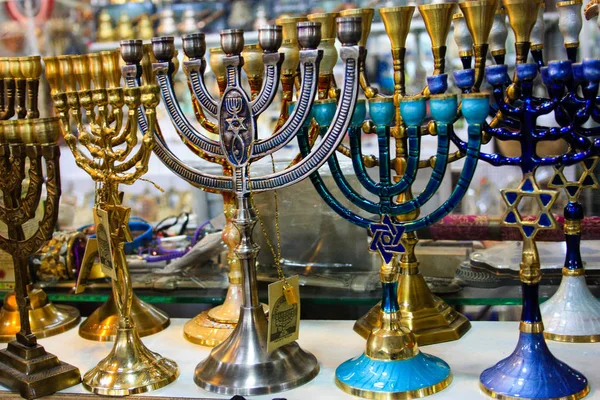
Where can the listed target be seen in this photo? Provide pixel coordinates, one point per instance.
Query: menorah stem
(9, 110)
(33, 86)
(244, 220)
(481, 51)
(439, 60)
(573, 216)
(21, 87)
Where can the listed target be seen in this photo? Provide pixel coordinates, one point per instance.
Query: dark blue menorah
(520, 374)
(392, 353)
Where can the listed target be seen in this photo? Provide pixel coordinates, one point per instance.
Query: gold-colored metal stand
(102, 324)
(130, 367)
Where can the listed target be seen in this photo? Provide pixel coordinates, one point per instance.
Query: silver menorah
(238, 365)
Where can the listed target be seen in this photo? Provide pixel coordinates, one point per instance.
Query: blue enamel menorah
(392, 363)
(531, 371)
(241, 364)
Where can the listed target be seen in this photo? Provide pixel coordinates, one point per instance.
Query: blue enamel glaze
(359, 168)
(325, 194)
(437, 174)
(323, 112)
(444, 110)
(437, 84)
(464, 180)
(591, 69)
(578, 72)
(360, 113)
(573, 212)
(382, 112)
(496, 74)
(560, 71)
(526, 71)
(475, 109)
(389, 300)
(413, 111)
(545, 76)
(530, 312)
(464, 78)
(383, 376)
(532, 372)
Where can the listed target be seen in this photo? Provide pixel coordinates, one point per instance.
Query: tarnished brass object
(114, 114)
(289, 26)
(291, 53)
(327, 21)
(217, 66)
(367, 17)
(24, 365)
(254, 67)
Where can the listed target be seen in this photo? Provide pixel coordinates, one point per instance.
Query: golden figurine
(105, 30)
(19, 83)
(144, 29)
(90, 85)
(26, 147)
(125, 28)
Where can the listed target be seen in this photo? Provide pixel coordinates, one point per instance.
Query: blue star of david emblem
(587, 180)
(544, 199)
(386, 238)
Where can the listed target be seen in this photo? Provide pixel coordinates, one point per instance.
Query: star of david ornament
(236, 124)
(545, 199)
(386, 238)
(587, 180)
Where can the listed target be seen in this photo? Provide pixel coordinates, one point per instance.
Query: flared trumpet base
(130, 368)
(573, 313)
(102, 324)
(205, 331)
(430, 318)
(532, 372)
(46, 318)
(34, 373)
(416, 377)
(242, 365)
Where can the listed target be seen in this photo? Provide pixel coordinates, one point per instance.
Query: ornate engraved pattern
(236, 127)
(201, 93)
(269, 89)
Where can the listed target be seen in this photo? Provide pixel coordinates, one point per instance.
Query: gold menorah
(86, 91)
(19, 83)
(24, 364)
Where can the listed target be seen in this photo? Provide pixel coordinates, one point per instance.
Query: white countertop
(333, 342)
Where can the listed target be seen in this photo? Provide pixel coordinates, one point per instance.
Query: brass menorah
(24, 364)
(19, 83)
(86, 88)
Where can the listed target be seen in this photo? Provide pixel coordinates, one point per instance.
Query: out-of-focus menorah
(87, 93)
(237, 365)
(29, 159)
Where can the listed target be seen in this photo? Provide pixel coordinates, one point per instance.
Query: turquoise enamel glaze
(475, 108)
(360, 113)
(382, 111)
(308, 119)
(413, 110)
(323, 112)
(443, 108)
(386, 376)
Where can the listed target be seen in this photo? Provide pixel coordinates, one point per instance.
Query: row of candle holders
(102, 121)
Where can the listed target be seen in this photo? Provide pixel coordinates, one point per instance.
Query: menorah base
(46, 318)
(33, 372)
(430, 318)
(573, 313)
(130, 368)
(241, 364)
(416, 377)
(102, 324)
(532, 372)
(212, 327)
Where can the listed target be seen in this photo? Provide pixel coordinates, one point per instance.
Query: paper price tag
(284, 318)
(89, 257)
(104, 245)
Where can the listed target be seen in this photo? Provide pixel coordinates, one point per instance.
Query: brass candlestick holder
(88, 88)
(24, 365)
(19, 83)
(102, 324)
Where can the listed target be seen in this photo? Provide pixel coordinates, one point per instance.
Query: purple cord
(167, 254)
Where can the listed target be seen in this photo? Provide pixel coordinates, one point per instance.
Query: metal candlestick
(521, 374)
(238, 365)
(89, 87)
(24, 365)
(19, 84)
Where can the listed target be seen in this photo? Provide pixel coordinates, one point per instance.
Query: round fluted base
(205, 331)
(101, 325)
(46, 318)
(130, 368)
(416, 377)
(532, 372)
(573, 313)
